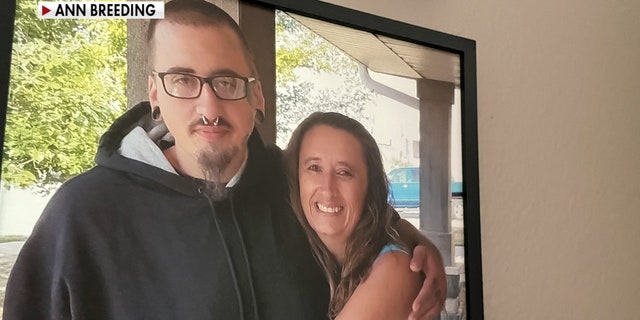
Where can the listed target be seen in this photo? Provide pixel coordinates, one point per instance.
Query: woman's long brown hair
(373, 230)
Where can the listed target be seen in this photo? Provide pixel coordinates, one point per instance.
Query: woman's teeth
(328, 209)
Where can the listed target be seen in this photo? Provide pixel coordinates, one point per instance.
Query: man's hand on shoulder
(430, 300)
(427, 259)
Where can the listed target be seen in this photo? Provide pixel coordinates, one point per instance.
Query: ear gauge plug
(155, 114)
(259, 115)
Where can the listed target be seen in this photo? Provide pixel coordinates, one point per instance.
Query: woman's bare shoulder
(388, 291)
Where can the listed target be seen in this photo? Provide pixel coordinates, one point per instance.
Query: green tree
(67, 85)
(302, 55)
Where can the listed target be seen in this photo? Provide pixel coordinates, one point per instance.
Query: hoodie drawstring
(226, 252)
(246, 258)
(229, 260)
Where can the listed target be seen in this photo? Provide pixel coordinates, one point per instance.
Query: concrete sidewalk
(8, 254)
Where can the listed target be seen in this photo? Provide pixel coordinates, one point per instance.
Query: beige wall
(559, 143)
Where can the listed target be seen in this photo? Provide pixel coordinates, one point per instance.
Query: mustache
(222, 122)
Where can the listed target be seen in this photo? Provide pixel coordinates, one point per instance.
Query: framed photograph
(423, 115)
(413, 88)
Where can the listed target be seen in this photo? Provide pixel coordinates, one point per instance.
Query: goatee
(213, 162)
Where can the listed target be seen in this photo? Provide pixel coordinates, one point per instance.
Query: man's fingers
(431, 297)
(418, 259)
(426, 301)
(425, 312)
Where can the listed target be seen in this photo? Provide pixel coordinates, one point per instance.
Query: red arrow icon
(45, 10)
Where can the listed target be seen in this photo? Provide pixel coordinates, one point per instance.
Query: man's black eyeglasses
(189, 86)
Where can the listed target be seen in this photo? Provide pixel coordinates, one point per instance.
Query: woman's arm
(387, 293)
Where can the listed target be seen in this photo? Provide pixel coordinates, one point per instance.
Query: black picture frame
(466, 50)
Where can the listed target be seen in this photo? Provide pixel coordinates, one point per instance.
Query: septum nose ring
(216, 121)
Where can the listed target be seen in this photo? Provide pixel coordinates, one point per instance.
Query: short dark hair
(373, 230)
(199, 13)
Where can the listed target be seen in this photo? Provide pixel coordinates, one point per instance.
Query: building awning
(388, 55)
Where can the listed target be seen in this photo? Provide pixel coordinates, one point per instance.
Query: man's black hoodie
(131, 240)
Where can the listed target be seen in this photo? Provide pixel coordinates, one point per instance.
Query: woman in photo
(339, 193)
